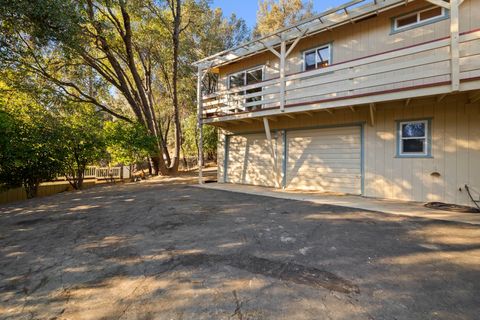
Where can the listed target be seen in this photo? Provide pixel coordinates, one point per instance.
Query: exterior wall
(455, 147)
(353, 41)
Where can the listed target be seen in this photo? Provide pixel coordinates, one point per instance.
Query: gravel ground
(156, 250)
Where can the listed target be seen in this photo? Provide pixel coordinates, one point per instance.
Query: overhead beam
(329, 111)
(294, 44)
(440, 3)
(273, 50)
(309, 113)
(325, 24)
(407, 102)
(352, 108)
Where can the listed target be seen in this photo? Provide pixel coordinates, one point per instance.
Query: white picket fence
(104, 173)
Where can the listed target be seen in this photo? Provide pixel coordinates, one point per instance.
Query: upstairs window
(317, 58)
(419, 18)
(413, 138)
(245, 78)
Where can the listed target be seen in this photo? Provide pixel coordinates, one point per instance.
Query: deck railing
(426, 64)
(101, 173)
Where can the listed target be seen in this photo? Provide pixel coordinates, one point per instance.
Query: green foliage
(273, 15)
(190, 138)
(30, 144)
(83, 140)
(128, 143)
(72, 54)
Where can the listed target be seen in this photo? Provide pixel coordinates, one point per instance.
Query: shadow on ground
(169, 251)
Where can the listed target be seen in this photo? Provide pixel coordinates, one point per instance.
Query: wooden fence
(93, 176)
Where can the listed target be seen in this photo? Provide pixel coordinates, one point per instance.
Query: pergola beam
(440, 3)
(298, 30)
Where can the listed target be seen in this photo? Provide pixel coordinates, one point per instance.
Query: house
(379, 98)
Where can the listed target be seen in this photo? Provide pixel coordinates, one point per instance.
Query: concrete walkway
(404, 208)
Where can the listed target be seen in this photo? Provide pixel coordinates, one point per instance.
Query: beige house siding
(455, 147)
(353, 41)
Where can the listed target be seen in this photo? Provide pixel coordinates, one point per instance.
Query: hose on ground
(471, 197)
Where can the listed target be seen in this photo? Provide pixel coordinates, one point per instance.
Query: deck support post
(372, 114)
(272, 150)
(454, 44)
(200, 124)
(283, 58)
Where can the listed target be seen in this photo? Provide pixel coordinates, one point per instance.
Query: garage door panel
(250, 161)
(322, 144)
(324, 160)
(323, 178)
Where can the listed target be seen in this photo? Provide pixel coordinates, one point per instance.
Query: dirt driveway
(153, 251)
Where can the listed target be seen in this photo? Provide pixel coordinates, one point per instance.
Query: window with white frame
(317, 58)
(245, 78)
(418, 18)
(413, 138)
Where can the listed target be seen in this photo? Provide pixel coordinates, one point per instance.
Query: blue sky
(247, 9)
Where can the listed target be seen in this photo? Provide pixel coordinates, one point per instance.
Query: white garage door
(250, 160)
(327, 160)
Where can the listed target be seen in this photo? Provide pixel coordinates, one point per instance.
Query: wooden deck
(420, 70)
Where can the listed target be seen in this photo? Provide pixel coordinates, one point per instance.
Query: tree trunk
(150, 165)
(164, 144)
(177, 20)
(80, 177)
(31, 188)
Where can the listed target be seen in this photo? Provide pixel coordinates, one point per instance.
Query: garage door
(249, 160)
(327, 160)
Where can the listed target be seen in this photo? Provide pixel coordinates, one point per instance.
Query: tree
(273, 15)
(130, 59)
(127, 143)
(83, 140)
(31, 149)
(58, 39)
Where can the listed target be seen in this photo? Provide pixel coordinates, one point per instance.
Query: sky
(247, 9)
